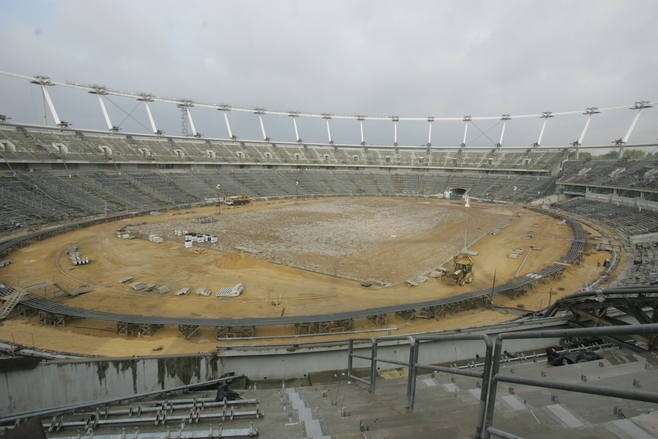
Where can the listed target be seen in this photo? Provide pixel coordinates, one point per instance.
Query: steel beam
(635, 395)
(70, 408)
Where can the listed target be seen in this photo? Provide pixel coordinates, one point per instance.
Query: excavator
(462, 272)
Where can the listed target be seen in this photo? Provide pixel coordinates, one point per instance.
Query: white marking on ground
(564, 416)
(450, 387)
(629, 430)
(429, 382)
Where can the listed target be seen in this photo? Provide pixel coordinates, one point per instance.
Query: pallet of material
(203, 292)
(182, 292)
(233, 291)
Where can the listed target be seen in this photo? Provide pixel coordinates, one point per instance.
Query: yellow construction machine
(462, 272)
(237, 200)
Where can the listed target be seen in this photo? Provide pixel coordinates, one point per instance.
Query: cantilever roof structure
(185, 106)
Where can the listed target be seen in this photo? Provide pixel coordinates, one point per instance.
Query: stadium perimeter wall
(35, 384)
(637, 203)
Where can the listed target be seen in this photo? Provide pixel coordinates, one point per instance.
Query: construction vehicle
(237, 200)
(462, 273)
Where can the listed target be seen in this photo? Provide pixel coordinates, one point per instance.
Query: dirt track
(365, 238)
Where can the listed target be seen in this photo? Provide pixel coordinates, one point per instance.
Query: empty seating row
(43, 196)
(635, 174)
(22, 143)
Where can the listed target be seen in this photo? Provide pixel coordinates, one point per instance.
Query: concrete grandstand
(491, 380)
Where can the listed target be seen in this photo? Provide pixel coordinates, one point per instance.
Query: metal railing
(413, 365)
(490, 374)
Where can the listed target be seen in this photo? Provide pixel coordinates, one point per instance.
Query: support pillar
(430, 121)
(395, 120)
(195, 133)
(294, 116)
(227, 122)
(373, 366)
(260, 112)
(363, 138)
(505, 117)
(43, 82)
(185, 108)
(545, 116)
(492, 388)
(100, 92)
(411, 376)
(327, 118)
(146, 99)
(639, 106)
(588, 112)
(486, 384)
(189, 331)
(466, 119)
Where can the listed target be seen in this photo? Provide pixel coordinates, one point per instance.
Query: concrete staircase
(448, 407)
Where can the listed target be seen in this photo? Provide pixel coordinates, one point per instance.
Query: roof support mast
(185, 107)
(43, 82)
(327, 118)
(430, 121)
(189, 118)
(466, 120)
(146, 99)
(260, 112)
(505, 117)
(545, 115)
(589, 111)
(294, 115)
(106, 116)
(639, 106)
(100, 92)
(226, 109)
(363, 138)
(396, 121)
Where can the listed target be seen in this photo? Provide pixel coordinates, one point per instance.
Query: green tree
(609, 155)
(634, 154)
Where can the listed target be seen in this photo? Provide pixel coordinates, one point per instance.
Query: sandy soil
(361, 239)
(409, 237)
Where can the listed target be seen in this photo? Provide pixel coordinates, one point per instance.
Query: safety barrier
(490, 374)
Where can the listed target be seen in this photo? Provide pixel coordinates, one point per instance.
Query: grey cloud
(380, 58)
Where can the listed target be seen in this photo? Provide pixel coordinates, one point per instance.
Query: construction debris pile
(154, 237)
(123, 234)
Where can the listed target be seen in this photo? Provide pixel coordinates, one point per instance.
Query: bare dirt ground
(360, 239)
(363, 238)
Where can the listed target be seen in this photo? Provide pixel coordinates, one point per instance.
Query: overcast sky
(407, 58)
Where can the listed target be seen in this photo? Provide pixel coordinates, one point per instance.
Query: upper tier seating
(26, 144)
(632, 174)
